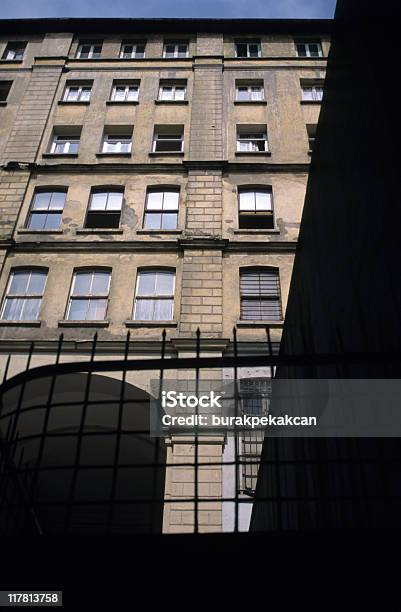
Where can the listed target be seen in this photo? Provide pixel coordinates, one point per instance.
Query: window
(113, 142)
(65, 143)
(251, 139)
(312, 93)
(249, 92)
(168, 139)
(260, 294)
(104, 209)
(247, 48)
(89, 50)
(77, 93)
(14, 51)
(255, 208)
(154, 296)
(175, 49)
(311, 130)
(311, 48)
(125, 92)
(161, 209)
(5, 87)
(132, 50)
(46, 209)
(172, 91)
(24, 295)
(89, 295)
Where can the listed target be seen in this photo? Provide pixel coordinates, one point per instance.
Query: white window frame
(88, 296)
(80, 89)
(248, 43)
(307, 45)
(45, 212)
(154, 296)
(119, 141)
(249, 88)
(251, 138)
(128, 88)
(91, 53)
(156, 140)
(173, 87)
(176, 53)
(134, 45)
(12, 53)
(162, 210)
(23, 296)
(67, 141)
(316, 93)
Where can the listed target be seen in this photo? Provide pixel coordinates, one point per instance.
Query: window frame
(109, 189)
(12, 46)
(134, 44)
(67, 140)
(248, 43)
(267, 214)
(173, 85)
(88, 296)
(127, 87)
(92, 54)
(80, 88)
(121, 139)
(247, 136)
(313, 88)
(154, 297)
(161, 189)
(23, 296)
(156, 139)
(45, 212)
(307, 42)
(4, 83)
(176, 44)
(260, 298)
(249, 87)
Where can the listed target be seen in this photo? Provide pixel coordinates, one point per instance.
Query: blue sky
(307, 9)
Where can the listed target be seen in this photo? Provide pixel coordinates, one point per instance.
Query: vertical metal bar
(196, 439)
(156, 455)
(118, 437)
(236, 437)
(76, 466)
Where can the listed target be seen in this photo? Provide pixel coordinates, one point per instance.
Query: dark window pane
(102, 220)
(242, 50)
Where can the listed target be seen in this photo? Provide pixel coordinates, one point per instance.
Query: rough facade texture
(207, 249)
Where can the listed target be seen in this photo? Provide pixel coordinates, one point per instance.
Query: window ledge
(159, 231)
(73, 103)
(311, 101)
(178, 102)
(258, 323)
(133, 323)
(99, 230)
(58, 155)
(4, 323)
(26, 230)
(68, 323)
(257, 231)
(102, 154)
(166, 154)
(263, 102)
(10, 61)
(250, 153)
(122, 102)
(3, 103)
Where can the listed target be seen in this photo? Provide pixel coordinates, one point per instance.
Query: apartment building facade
(153, 174)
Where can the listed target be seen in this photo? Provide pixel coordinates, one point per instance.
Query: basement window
(104, 209)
